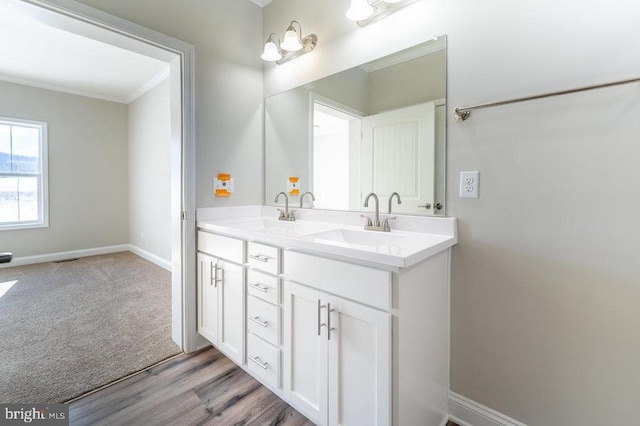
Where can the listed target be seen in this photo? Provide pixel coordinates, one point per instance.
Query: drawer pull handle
(256, 360)
(258, 321)
(329, 328)
(320, 323)
(217, 280)
(260, 287)
(259, 257)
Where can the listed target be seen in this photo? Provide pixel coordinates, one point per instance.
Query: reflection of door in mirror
(336, 148)
(398, 150)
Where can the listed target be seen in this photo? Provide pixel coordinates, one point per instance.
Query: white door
(359, 365)
(207, 297)
(305, 351)
(398, 149)
(231, 309)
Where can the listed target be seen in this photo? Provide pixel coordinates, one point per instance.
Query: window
(23, 174)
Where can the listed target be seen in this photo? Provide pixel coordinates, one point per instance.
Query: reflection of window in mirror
(336, 139)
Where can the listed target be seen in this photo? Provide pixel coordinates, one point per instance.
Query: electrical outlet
(469, 184)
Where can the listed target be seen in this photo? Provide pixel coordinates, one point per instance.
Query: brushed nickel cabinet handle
(320, 323)
(259, 257)
(329, 329)
(259, 321)
(215, 276)
(259, 287)
(256, 360)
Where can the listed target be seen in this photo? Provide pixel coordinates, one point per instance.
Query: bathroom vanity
(346, 325)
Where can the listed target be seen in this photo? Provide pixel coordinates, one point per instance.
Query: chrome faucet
(313, 198)
(395, 194)
(285, 215)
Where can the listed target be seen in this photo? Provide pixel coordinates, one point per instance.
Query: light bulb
(291, 42)
(359, 10)
(271, 51)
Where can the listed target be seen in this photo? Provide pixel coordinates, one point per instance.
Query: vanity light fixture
(291, 47)
(359, 10)
(364, 13)
(272, 49)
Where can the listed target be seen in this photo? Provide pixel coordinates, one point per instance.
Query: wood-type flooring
(201, 388)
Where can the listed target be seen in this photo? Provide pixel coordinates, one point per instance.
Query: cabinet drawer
(221, 246)
(264, 258)
(263, 319)
(263, 360)
(359, 283)
(263, 286)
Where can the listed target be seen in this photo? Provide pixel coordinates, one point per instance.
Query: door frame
(183, 205)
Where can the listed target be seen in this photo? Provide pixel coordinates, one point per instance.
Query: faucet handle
(386, 226)
(369, 223)
(282, 215)
(292, 217)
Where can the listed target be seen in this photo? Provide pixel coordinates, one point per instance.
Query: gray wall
(227, 36)
(544, 279)
(88, 200)
(150, 171)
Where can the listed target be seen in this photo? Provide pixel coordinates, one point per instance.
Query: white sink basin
(361, 238)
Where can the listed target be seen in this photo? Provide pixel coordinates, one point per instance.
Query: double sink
(337, 235)
(318, 231)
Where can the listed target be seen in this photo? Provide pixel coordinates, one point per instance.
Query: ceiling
(42, 55)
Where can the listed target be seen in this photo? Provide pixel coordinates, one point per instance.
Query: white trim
(261, 3)
(63, 89)
(155, 259)
(467, 412)
(43, 191)
(153, 82)
(64, 255)
(183, 330)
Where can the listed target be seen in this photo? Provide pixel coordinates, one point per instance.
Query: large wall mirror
(379, 127)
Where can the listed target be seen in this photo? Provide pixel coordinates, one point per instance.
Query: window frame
(43, 187)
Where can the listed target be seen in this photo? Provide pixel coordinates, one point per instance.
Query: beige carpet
(67, 328)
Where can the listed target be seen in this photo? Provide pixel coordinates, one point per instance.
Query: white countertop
(324, 232)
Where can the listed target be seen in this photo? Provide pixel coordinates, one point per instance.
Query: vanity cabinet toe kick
(341, 342)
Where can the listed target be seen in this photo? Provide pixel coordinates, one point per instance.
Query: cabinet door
(305, 351)
(231, 309)
(359, 365)
(207, 297)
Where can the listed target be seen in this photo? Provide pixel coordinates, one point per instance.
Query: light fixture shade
(271, 51)
(291, 42)
(359, 10)
(393, 1)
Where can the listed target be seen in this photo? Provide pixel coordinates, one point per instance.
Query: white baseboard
(163, 263)
(64, 255)
(466, 412)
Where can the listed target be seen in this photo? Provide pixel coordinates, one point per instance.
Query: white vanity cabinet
(345, 340)
(337, 364)
(220, 290)
(364, 345)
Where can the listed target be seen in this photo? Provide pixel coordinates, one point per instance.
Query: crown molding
(63, 89)
(261, 3)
